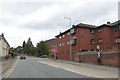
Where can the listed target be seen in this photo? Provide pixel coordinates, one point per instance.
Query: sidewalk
(90, 70)
(6, 64)
(101, 67)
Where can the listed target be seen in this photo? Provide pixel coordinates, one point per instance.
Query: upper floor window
(117, 40)
(63, 35)
(59, 37)
(100, 29)
(62, 44)
(119, 27)
(73, 41)
(100, 40)
(72, 31)
(68, 42)
(92, 42)
(91, 31)
(68, 33)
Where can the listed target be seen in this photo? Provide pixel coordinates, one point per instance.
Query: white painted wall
(4, 48)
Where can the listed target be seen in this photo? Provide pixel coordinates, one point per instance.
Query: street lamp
(70, 36)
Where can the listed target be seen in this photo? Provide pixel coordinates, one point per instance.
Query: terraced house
(85, 37)
(4, 46)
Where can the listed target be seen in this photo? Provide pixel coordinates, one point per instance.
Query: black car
(22, 57)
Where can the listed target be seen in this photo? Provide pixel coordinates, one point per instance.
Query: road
(32, 68)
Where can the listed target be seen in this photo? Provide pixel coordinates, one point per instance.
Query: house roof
(2, 37)
(86, 25)
(80, 25)
(111, 24)
(115, 23)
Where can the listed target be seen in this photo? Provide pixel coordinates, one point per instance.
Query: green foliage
(28, 47)
(13, 53)
(42, 48)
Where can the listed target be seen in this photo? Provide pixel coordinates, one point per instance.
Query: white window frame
(117, 40)
(72, 31)
(100, 40)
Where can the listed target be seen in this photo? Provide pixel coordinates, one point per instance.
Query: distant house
(51, 43)
(4, 46)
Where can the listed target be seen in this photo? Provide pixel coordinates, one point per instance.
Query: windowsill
(117, 43)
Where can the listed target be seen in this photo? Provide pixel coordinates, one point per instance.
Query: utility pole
(70, 37)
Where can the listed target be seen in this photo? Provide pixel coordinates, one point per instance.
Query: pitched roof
(2, 37)
(115, 23)
(86, 25)
(111, 24)
(81, 25)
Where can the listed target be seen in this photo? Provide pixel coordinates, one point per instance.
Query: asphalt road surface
(31, 68)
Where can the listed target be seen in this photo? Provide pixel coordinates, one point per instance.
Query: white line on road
(11, 70)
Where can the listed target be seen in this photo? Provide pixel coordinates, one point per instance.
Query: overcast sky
(44, 19)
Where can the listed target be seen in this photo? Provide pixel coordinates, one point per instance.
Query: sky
(44, 19)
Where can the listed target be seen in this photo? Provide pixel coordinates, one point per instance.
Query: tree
(24, 47)
(42, 48)
(28, 47)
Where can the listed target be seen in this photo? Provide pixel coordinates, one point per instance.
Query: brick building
(85, 37)
(51, 44)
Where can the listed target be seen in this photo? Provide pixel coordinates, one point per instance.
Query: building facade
(4, 46)
(85, 37)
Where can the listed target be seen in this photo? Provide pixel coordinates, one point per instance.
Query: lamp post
(70, 37)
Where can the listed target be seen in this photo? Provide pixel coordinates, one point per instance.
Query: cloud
(42, 20)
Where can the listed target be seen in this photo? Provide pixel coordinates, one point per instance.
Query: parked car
(38, 55)
(22, 57)
(44, 56)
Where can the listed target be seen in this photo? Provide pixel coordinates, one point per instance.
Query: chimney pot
(108, 22)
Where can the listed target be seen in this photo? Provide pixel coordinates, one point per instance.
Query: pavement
(90, 70)
(5, 66)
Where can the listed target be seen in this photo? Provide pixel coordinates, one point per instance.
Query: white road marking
(11, 70)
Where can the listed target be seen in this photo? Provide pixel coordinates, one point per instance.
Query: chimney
(108, 22)
(73, 26)
(2, 34)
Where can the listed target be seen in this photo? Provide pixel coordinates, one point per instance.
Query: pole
(70, 38)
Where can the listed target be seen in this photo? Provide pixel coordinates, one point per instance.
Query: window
(73, 41)
(59, 37)
(62, 44)
(68, 42)
(100, 29)
(100, 40)
(68, 33)
(92, 42)
(91, 31)
(117, 40)
(72, 31)
(63, 35)
(119, 27)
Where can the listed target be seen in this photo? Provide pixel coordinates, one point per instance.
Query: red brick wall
(76, 58)
(108, 59)
(89, 58)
